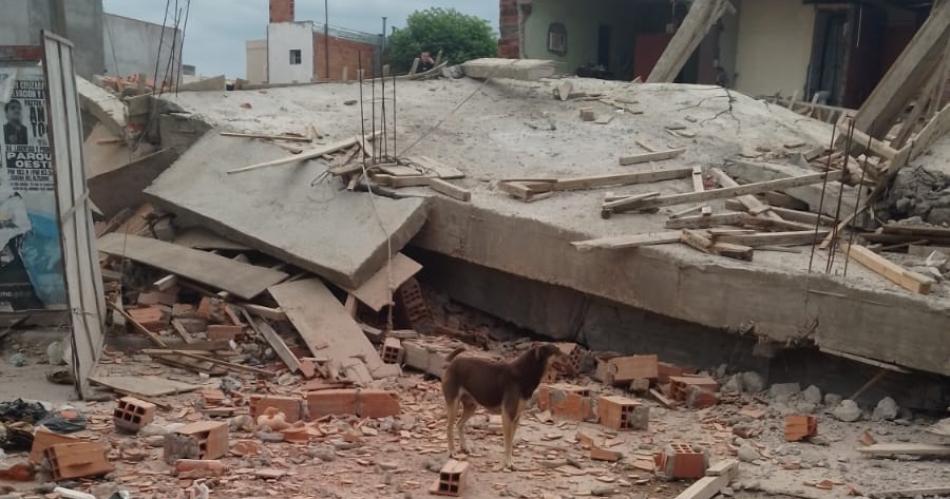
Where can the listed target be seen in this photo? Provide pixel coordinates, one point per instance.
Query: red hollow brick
(377, 404)
(566, 401)
(682, 461)
(77, 460)
(131, 414)
(627, 369)
(621, 413)
(292, 407)
(800, 426)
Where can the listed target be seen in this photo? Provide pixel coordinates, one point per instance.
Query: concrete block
(680, 461)
(391, 351)
(452, 478)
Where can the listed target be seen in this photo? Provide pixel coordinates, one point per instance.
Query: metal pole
(359, 58)
(394, 114)
(326, 38)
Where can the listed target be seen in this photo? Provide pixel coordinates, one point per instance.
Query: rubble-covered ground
(399, 456)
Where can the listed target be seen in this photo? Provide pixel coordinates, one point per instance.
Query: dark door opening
(828, 57)
(603, 46)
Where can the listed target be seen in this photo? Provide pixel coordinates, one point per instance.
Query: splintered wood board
(148, 386)
(374, 292)
(240, 279)
(323, 322)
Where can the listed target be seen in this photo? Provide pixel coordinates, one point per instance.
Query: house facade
(304, 51)
(837, 50)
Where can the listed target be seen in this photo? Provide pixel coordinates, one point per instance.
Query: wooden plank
(651, 156)
(291, 138)
(626, 200)
(698, 184)
(240, 279)
(375, 293)
(707, 221)
(729, 192)
(154, 352)
(305, 155)
(750, 202)
(917, 492)
(578, 183)
(791, 238)
(920, 58)
(182, 331)
(806, 217)
(906, 449)
(702, 15)
(274, 314)
(450, 190)
(277, 343)
(323, 323)
(705, 488)
(909, 280)
(149, 386)
(920, 231)
(632, 241)
(402, 181)
(436, 168)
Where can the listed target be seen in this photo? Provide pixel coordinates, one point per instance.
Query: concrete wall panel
(256, 61)
(774, 46)
(281, 39)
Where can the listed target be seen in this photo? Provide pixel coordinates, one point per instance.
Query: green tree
(460, 37)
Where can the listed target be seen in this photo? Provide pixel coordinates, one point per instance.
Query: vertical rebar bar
(821, 200)
(833, 247)
(359, 59)
(394, 114)
(372, 103)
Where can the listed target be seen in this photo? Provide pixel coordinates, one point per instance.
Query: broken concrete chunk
(752, 382)
(784, 391)
(886, 410)
(847, 411)
(812, 394)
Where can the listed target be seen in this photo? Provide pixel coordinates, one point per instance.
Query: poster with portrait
(31, 275)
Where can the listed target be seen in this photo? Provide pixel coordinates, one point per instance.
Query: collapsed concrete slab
(516, 130)
(517, 69)
(104, 106)
(333, 233)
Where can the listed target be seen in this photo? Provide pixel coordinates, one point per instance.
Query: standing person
(14, 132)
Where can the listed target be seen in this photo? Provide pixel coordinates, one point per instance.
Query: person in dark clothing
(426, 62)
(14, 132)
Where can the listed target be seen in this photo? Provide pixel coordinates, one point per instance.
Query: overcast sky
(217, 29)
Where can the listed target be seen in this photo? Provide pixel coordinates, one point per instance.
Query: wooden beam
(750, 202)
(729, 192)
(138, 327)
(451, 190)
(626, 200)
(791, 238)
(291, 138)
(920, 58)
(918, 492)
(578, 183)
(700, 18)
(274, 314)
(909, 449)
(223, 363)
(651, 156)
(909, 280)
(933, 130)
(707, 221)
(632, 241)
(305, 155)
(805, 217)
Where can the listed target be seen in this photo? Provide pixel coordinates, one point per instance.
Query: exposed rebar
(821, 200)
(857, 205)
(833, 247)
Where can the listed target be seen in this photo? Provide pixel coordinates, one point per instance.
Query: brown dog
(503, 387)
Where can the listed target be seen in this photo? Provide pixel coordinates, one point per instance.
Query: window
(557, 39)
(295, 57)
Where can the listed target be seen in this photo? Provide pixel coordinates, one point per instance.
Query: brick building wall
(343, 54)
(509, 41)
(281, 11)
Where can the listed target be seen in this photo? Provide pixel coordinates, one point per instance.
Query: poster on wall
(31, 275)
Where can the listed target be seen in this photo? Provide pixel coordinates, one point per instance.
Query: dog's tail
(455, 353)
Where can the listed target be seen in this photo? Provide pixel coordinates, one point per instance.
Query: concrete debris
(885, 410)
(812, 394)
(782, 392)
(752, 382)
(847, 411)
(518, 69)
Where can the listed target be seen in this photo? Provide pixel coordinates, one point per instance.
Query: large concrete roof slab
(328, 231)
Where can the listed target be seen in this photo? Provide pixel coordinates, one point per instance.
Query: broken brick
(131, 414)
(679, 461)
(574, 354)
(665, 370)
(700, 398)
(43, 439)
(621, 413)
(602, 372)
(158, 297)
(451, 479)
(292, 407)
(640, 385)
(200, 468)
(679, 385)
(77, 460)
(566, 401)
(336, 402)
(601, 454)
(200, 440)
(629, 368)
(154, 317)
(377, 404)
(800, 426)
(224, 332)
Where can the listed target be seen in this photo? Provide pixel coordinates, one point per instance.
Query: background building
(300, 51)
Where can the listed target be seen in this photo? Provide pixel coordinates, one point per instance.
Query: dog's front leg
(508, 430)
